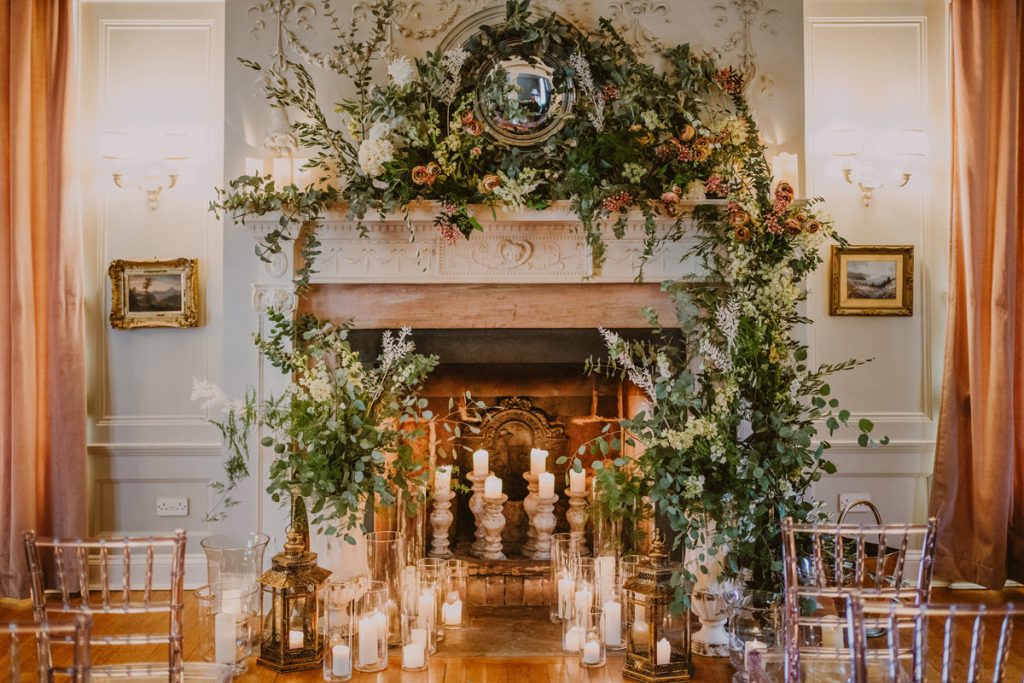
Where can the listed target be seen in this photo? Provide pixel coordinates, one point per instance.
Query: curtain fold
(42, 328)
(978, 486)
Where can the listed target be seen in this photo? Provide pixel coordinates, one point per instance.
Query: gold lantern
(291, 637)
(658, 645)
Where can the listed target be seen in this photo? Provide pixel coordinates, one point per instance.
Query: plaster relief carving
(635, 18)
(749, 14)
(273, 297)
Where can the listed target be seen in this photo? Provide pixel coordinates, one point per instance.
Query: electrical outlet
(846, 498)
(172, 507)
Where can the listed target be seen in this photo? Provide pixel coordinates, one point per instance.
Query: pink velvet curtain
(978, 490)
(42, 368)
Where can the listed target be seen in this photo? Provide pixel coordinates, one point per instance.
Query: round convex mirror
(518, 100)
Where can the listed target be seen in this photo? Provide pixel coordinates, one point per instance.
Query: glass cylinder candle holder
(592, 647)
(607, 527)
(418, 641)
(227, 618)
(585, 591)
(434, 571)
(605, 577)
(564, 554)
(341, 602)
(454, 606)
(372, 627)
(613, 632)
(573, 631)
(385, 555)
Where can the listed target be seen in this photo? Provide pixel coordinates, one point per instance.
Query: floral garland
(635, 139)
(730, 434)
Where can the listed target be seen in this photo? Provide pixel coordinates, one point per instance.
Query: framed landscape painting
(155, 293)
(872, 280)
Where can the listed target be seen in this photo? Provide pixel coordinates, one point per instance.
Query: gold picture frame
(872, 280)
(154, 293)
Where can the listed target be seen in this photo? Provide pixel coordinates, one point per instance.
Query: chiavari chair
(24, 640)
(828, 566)
(947, 643)
(80, 577)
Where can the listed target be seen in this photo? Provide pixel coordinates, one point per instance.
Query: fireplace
(512, 315)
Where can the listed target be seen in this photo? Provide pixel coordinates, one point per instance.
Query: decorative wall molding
(749, 15)
(278, 297)
(533, 246)
(162, 450)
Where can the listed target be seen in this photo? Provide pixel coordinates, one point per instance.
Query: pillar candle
(573, 639)
(428, 607)
(492, 487)
(413, 656)
(546, 485)
(577, 481)
(295, 640)
(538, 461)
(369, 639)
(664, 652)
(225, 638)
(749, 647)
(341, 660)
(566, 586)
(786, 168)
(451, 613)
(591, 652)
(480, 463)
(584, 601)
(443, 481)
(418, 635)
(231, 601)
(640, 631)
(611, 620)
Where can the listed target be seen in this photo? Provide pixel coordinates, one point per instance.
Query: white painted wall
(883, 64)
(153, 67)
(163, 63)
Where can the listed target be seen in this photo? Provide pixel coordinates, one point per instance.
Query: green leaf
(865, 425)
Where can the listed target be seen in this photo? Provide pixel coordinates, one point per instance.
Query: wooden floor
(549, 669)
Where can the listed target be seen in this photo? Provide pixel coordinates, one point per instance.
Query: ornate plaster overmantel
(528, 247)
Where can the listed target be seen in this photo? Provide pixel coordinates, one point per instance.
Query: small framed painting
(872, 280)
(155, 293)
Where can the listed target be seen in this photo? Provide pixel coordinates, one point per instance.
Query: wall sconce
(150, 163)
(869, 159)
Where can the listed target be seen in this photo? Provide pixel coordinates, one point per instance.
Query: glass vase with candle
(585, 594)
(612, 623)
(234, 561)
(372, 627)
(433, 573)
(454, 607)
(418, 632)
(385, 556)
(755, 622)
(564, 554)
(341, 601)
(412, 514)
(572, 629)
(227, 618)
(592, 648)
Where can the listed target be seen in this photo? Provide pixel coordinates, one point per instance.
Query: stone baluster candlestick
(530, 508)
(577, 518)
(545, 524)
(476, 506)
(441, 519)
(494, 523)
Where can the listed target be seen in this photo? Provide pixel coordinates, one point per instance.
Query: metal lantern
(291, 636)
(658, 646)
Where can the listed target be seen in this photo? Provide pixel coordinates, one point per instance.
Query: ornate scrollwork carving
(635, 18)
(750, 14)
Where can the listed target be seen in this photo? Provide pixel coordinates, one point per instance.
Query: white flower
(379, 130)
(585, 81)
(452, 62)
(693, 486)
(401, 71)
(634, 173)
(651, 120)
(373, 154)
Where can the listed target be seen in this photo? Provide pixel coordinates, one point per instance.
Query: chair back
(827, 566)
(967, 643)
(80, 577)
(41, 637)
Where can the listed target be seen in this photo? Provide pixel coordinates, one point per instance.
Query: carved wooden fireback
(508, 432)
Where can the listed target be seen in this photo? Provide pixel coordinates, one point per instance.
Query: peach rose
(792, 226)
(466, 117)
(420, 175)
(488, 184)
(474, 128)
(688, 133)
(738, 219)
(812, 226)
(742, 234)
